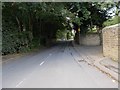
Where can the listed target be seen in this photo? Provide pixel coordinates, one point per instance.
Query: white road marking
(20, 83)
(50, 54)
(42, 63)
(45, 59)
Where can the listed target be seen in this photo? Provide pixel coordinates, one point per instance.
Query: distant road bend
(55, 67)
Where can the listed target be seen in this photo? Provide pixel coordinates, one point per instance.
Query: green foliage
(64, 34)
(28, 25)
(14, 41)
(88, 14)
(61, 34)
(69, 34)
(112, 21)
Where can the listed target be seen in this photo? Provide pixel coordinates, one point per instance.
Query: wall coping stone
(112, 26)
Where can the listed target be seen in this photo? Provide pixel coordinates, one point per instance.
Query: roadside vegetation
(112, 21)
(26, 26)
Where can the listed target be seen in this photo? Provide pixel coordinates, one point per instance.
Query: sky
(112, 11)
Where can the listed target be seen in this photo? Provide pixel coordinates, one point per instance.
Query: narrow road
(54, 68)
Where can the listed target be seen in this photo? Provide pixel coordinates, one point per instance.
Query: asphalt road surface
(55, 67)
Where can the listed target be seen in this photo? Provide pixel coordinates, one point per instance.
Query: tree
(33, 24)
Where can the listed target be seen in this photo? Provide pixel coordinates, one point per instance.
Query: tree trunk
(30, 28)
(19, 24)
(77, 36)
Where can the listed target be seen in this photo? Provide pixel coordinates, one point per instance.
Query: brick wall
(110, 41)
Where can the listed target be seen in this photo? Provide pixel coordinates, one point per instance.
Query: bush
(14, 41)
(112, 21)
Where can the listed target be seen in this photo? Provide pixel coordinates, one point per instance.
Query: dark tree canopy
(27, 25)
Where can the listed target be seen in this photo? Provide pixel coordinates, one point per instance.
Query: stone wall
(90, 39)
(110, 41)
